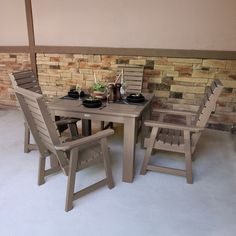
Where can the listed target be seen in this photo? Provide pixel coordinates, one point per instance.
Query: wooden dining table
(119, 112)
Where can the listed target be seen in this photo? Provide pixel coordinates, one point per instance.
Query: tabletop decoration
(98, 90)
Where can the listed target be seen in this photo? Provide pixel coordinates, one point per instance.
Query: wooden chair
(180, 138)
(133, 77)
(72, 156)
(133, 80)
(28, 80)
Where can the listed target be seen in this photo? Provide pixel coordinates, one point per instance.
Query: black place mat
(70, 98)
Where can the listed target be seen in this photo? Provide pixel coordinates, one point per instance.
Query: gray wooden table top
(112, 109)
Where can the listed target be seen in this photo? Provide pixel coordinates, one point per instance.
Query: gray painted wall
(166, 24)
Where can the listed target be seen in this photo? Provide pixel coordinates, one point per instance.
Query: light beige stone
(187, 89)
(8, 59)
(231, 65)
(137, 62)
(164, 67)
(203, 74)
(191, 80)
(78, 56)
(164, 94)
(97, 59)
(185, 60)
(88, 77)
(162, 61)
(214, 63)
(156, 80)
(86, 71)
(171, 73)
(189, 96)
(228, 83)
(66, 74)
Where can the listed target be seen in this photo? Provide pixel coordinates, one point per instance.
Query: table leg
(145, 131)
(129, 149)
(86, 127)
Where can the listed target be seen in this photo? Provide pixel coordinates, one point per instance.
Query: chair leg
(73, 130)
(149, 150)
(189, 174)
(107, 163)
(71, 179)
(188, 158)
(102, 125)
(41, 171)
(27, 139)
(27, 145)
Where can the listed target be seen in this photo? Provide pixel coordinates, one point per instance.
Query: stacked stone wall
(178, 83)
(10, 62)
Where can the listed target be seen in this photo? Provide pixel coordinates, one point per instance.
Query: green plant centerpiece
(98, 90)
(99, 87)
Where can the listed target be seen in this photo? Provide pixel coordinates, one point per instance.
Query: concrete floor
(154, 204)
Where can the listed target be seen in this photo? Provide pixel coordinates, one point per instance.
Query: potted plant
(98, 90)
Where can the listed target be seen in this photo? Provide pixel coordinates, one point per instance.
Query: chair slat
(26, 80)
(23, 74)
(135, 83)
(170, 136)
(37, 116)
(208, 103)
(133, 77)
(31, 103)
(28, 86)
(133, 73)
(134, 87)
(136, 80)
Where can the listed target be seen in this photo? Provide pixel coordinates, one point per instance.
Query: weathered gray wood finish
(119, 113)
(180, 138)
(72, 156)
(27, 80)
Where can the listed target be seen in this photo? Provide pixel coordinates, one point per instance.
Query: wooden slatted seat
(27, 80)
(72, 156)
(180, 138)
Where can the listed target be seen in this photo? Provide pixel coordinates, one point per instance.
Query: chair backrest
(25, 79)
(208, 103)
(42, 127)
(206, 107)
(133, 77)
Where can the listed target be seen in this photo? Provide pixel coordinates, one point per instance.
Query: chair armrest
(172, 126)
(174, 112)
(89, 139)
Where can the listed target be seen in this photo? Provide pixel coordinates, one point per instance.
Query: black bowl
(73, 94)
(135, 98)
(92, 103)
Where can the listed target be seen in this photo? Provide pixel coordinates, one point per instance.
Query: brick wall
(178, 83)
(9, 63)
